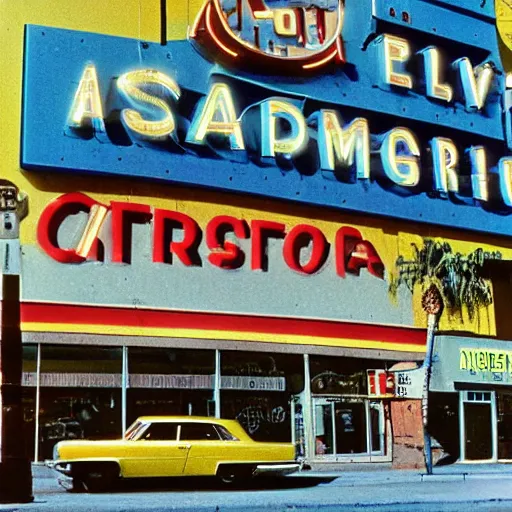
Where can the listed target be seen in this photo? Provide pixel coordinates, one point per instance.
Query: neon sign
(352, 251)
(397, 121)
(343, 150)
(476, 360)
(300, 36)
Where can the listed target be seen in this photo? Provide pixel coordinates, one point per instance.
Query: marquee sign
(352, 252)
(470, 361)
(389, 125)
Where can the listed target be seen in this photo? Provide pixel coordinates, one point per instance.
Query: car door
(206, 448)
(157, 452)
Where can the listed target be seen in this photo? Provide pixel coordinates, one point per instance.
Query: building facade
(215, 198)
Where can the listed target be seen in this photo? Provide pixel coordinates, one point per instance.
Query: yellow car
(165, 446)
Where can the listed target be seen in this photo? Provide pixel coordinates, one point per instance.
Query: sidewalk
(378, 473)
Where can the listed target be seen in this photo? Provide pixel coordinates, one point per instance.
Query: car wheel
(229, 478)
(232, 475)
(99, 477)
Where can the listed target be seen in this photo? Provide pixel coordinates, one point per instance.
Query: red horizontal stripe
(97, 315)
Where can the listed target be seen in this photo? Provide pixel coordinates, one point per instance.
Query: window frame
(212, 425)
(150, 424)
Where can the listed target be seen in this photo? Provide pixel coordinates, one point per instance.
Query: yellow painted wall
(140, 19)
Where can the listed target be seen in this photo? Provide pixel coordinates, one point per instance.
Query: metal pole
(38, 402)
(124, 387)
(462, 427)
(494, 427)
(217, 384)
(307, 411)
(367, 412)
(427, 449)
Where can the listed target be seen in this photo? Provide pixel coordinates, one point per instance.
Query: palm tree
(446, 279)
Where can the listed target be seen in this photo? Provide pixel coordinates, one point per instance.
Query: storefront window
(80, 394)
(257, 389)
(78, 413)
(171, 361)
(264, 416)
(341, 376)
(270, 366)
(168, 381)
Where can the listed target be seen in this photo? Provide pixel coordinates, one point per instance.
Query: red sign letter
(299, 237)
(53, 216)
(225, 254)
(186, 250)
(261, 230)
(354, 253)
(121, 227)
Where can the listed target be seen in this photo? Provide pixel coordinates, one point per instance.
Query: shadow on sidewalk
(205, 484)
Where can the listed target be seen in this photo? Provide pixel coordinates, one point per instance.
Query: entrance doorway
(478, 425)
(348, 427)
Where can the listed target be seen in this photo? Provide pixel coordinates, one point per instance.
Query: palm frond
(459, 278)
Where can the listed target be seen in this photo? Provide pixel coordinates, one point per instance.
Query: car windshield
(133, 430)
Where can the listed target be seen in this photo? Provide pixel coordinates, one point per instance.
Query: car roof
(232, 425)
(183, 419)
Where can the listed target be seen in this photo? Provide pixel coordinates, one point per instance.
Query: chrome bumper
(65, 479)
(61, 467)
(276, 469)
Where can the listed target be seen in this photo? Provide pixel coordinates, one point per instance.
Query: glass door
(348, 427)
(325, 442)
(351, 427)
(377, 427)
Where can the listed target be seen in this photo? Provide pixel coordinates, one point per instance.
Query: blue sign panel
(400, 112)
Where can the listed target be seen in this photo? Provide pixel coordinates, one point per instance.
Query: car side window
(198, 432)
(161, 432)
(225, 434)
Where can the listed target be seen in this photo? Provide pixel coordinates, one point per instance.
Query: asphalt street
(305, 493)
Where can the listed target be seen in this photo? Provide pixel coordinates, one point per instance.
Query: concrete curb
(367, 478)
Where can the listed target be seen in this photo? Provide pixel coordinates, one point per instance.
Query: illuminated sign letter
(134, 87)
(273, 112)
(445, 161)
(432, 63)
(400, 157)
(345, 147)
(87, 112)
(478, 161)
(475, 83)
(285, 22)
(53, 216)
(217, 116)
(394, 49)
(505, 172)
